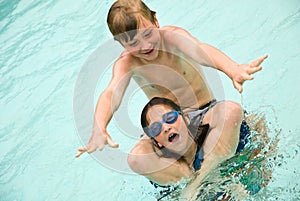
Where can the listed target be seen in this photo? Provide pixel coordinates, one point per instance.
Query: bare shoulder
(124, 64)
(177, 35)
(171, 32)
(174, 28)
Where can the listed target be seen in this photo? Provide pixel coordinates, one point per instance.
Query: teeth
(172, 136)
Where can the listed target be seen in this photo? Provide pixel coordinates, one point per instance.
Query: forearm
(110, 99)
(103, 112)
(219, 60)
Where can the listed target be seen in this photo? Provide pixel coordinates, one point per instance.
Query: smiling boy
(166, 62)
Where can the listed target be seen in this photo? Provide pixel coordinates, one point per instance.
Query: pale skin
(155, 58)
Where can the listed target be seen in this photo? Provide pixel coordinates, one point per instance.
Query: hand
(244, 72)
(97, 141)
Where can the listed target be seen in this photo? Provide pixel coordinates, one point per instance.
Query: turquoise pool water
(43, 46)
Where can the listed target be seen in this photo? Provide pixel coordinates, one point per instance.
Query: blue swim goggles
(169, 118)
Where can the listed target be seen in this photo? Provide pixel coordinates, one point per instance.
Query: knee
(228, 112)
(136, 159)
(234, 112)
(133, 160)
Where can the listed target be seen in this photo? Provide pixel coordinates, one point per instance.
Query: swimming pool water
(43, 46)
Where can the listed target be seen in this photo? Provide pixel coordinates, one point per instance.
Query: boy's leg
(141, 154)
(143, 160)
(225, 120)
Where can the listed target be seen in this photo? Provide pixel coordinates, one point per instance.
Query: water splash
(249, 171)
(243, 175)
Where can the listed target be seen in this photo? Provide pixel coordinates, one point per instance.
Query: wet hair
(124, 17)
(199, 135)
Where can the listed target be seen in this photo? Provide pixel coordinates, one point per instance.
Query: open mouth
(148, 51)
(173, 137)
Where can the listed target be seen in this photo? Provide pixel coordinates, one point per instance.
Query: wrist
(232, 71)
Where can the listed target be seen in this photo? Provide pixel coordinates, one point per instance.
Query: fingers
(111, 143)
(238, 86)
(246, 71)
(93, 147)
(265, 56)
(80, 151)
(254, 70)
(87, 149)
(258, 61)
(248, 77)
(255, 65)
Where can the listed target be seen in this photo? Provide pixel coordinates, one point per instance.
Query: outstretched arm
(238, 73)
(208, 55)
(107, 104)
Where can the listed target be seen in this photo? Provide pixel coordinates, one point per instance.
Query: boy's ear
(156, 21)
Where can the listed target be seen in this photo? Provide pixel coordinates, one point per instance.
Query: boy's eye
(148, 34)
(133, 44)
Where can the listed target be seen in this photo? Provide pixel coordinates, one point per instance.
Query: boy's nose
(145, 46)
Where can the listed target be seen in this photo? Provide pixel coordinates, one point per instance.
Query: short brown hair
(124, 16)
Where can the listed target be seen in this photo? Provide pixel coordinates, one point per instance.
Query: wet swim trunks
(196, 117)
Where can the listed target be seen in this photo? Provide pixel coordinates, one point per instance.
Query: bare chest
(175, 78)
(171, 72)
